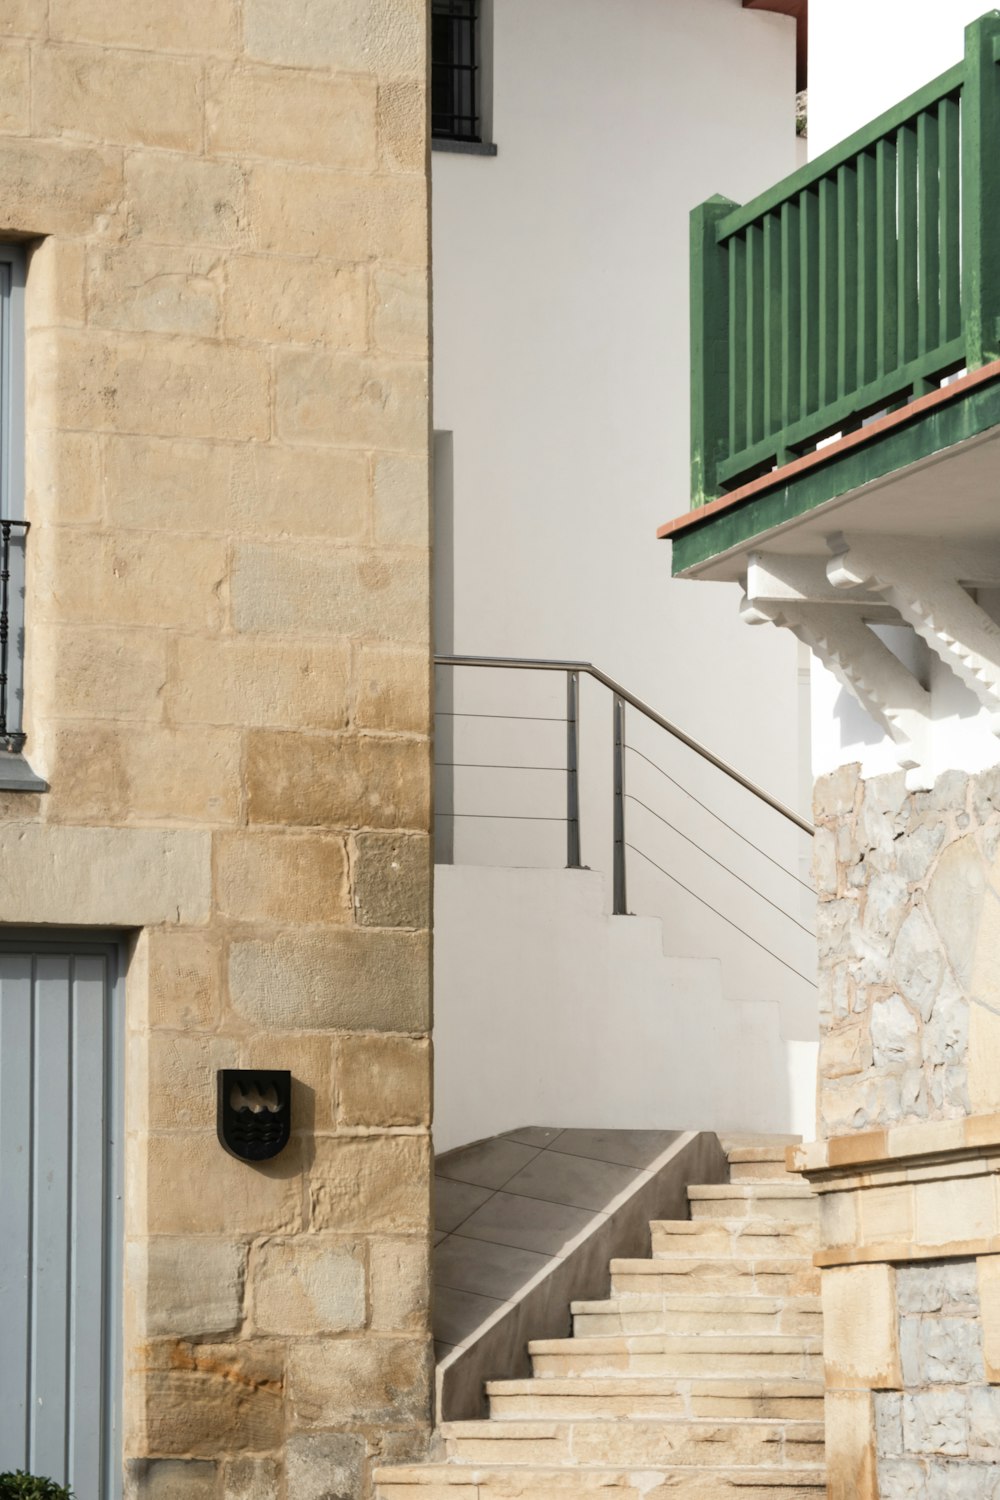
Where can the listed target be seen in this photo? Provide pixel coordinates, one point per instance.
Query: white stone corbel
(862, 663)
(921, 580)
(777, 578)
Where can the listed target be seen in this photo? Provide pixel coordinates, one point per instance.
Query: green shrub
(22, 1486)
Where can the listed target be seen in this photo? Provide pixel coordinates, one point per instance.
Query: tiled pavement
(506, 1207)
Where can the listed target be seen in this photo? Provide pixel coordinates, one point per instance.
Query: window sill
(17, 776)
(463, 148)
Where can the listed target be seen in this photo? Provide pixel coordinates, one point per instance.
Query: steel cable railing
(622, 839)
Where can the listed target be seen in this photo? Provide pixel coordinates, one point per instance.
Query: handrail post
(619, 892)
(572, 770)
(709, 347)
(981, 193)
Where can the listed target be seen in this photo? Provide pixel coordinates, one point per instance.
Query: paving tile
(455, 1201)
(474, 1265)
(526, 1223)
(627, 1148)
(575, 1180)
(487, 1164)
(457, 1314)
(535, 1135)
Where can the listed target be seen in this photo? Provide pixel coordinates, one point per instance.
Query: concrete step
(464, 1482)
(683, 1441)
(752, 1238)
(696, 1275)
(777, 1355)
(793, 1201)
(643, 1396)
(708, 1314)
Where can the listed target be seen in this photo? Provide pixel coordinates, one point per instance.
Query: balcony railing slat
(887, 325)
(929, 230)
(738, 435)
(809, 280)
(906, 262)
(791, 313)
(867, 299)
(755, 331)
(981, 193)
(950, 248)
(827, 291)
(772, 324)
(847, 278)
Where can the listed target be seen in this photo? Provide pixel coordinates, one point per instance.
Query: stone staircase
(701, 1375)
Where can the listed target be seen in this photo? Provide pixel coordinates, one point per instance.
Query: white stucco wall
(561, 300)
(863, 58)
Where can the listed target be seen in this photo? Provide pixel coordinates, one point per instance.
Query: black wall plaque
(255, 1112)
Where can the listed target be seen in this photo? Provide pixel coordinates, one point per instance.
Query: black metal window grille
(455, 70)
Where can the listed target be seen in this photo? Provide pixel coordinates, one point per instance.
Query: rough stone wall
(909, 949)
(228, 686)
(940, 1434)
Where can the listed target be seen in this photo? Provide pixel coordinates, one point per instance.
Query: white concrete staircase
(700, 1376)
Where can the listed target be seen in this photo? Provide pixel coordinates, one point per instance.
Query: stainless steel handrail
(532, 665)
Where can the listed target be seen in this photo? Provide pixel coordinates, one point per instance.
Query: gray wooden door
(60, 1212)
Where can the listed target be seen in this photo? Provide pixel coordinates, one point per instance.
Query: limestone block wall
(228, 686)
(909, 949)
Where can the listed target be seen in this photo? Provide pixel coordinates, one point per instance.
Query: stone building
(215, 812)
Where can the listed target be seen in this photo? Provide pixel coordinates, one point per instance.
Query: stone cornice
(974, 1136)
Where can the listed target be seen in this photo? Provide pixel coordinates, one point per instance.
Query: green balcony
(845, 325)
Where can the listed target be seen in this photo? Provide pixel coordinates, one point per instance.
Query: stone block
(337, 781)
(186, 1286)
(118, 97)
(324, 1465)
(888, 1424)
(256, 488)
(950, 1351)
(402, 503)
(375, 1379)
(400, 310)
(402, 130)
(835, 795)
(392, 879)
(181, 1068)
(192, 1186)
(100, 674)
(127, 578)
(50, 187)
(291, 116)
(85, 766)
(245, 681)
(917, 962)
(154, 289)
(935, 1421)
(346, 216)
(14, 88)
(824, 862)
(383, 1080)
(984, 1423)
(385, 37)
(280, 877)
(887, 1214)
(185, 975)
(955, 902)
(850, 1445)
(191, 26)
(171, 776)
(24, 18)
(962, 1209)
(988, 1276)
(860, 1342)
(349, 400)
(983, 1065)
(393, 690)
(845, 1051)
(203, 1399)
(170, 1479)
(164, 387)
(277, 300)
(371, 1184)
(838, 1218)
(343, 979)
(251, 1479)
(107, 877)
(309, 1285)
(902, 1479)
(918, 850)
(946, 1034)
(64, 478)
(400, 1275)
(186, 201)
(317, 591)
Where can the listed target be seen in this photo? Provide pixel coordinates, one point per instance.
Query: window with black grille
(455, 62)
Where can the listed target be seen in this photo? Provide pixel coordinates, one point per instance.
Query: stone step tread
(511, 1478)
(737, 1224)
(656, 1385)
(802, 1429)
(648, 1266)
(707, 1302)
(708, 1192)
(772, 1151)
(682, 1343)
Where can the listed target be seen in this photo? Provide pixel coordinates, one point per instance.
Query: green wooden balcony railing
(857, 283)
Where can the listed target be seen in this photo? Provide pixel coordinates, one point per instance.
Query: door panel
(60, 1200)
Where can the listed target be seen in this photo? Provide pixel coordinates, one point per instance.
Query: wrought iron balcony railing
(860, 282)
(12, 539)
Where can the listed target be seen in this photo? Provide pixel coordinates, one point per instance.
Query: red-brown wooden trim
(778, 477)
